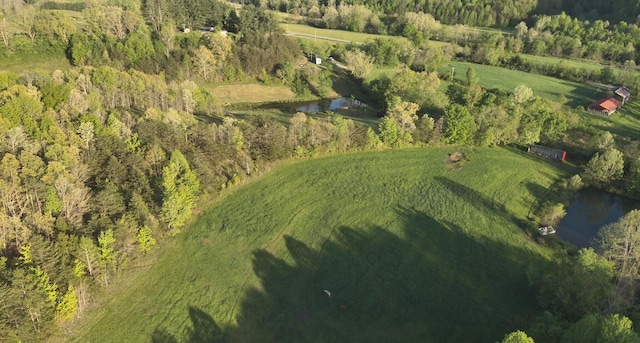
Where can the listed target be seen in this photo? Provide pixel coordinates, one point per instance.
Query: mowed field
(411, 248)
(547, 87)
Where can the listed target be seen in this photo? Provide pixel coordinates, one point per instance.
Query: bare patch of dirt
(455, 160)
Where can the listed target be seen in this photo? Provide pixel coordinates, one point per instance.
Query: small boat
(546, 230)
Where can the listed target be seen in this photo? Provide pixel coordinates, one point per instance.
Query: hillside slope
(410, 246)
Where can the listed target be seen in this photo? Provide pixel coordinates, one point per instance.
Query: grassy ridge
(412, 248)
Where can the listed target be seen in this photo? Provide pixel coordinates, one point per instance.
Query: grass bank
(410, 246)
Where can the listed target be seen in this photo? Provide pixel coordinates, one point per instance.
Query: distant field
(28, 63)
(555, 60)
(410, 247)
(356, 37)
(544, 86)
(250, 92)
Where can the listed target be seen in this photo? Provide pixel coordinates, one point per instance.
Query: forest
(106, 161)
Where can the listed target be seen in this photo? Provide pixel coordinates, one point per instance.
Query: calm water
(320, 105)
(589, 211)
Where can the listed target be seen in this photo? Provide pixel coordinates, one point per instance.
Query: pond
(322, 105)
(590, 210)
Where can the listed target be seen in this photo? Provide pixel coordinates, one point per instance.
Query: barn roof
(608, 104)
(622, 91)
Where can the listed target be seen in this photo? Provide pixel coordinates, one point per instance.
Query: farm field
(544, 86)
(410, 246)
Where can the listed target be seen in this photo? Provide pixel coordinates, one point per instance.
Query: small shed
(622, 93)
(606, 106)
(317, 59)
(554, 154)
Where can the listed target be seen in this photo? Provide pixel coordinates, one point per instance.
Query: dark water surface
(319, 105)
(590, 210)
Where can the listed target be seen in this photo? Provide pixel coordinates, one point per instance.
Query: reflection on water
(589, 211)
(322, 105)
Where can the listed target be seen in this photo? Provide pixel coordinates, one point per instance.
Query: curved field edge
(410, 246)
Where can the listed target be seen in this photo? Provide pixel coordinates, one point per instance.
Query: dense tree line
(364, 13)
(97, 164)
(485, 13)
(624, 10)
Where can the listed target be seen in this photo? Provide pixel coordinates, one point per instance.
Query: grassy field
(250, 92)
(544, 86)
(30, 63)
(412, 248)
(555, 60)
(356, 37)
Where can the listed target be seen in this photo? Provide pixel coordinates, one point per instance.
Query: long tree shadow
(431, 283)
(203, 330)
(480, 201)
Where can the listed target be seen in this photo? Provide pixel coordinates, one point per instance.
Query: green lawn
(411, 247)
(544, 86)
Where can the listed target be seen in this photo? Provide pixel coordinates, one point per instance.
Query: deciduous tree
(359, 63)
(517, 337)
(620, 243)
(180, 185)
(605, 167)
(459, 125)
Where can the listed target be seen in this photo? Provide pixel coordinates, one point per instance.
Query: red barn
(606, 106)
(554, 154)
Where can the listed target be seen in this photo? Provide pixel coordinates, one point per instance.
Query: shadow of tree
(479, 201)
(203, 330)
(435, 283)
(432, 282)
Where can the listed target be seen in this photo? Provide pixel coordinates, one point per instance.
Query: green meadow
(408, 245)
(356, 37)
(551, 88)
(36, 62)
(580, 64)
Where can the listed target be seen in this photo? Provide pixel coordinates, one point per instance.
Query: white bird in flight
(328, 293)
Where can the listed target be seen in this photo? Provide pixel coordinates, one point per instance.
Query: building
(606, 106)
(554, 154)
(622, 93)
